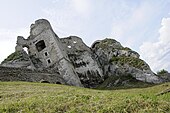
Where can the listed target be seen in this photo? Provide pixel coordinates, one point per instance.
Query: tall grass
(24, 97)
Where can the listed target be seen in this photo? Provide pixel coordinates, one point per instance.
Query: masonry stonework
(70, 61)
(45, 47)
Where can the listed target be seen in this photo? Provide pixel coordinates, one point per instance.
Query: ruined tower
(45, 48)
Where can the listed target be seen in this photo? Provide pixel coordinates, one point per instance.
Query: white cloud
(157, 54)
(71, 17)
(136, 22)
(83, 7)
(8, 41)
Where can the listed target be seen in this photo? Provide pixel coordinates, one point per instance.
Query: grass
(14, 56)
(24, 97)
(123, 82)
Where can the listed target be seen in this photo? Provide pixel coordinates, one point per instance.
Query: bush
(163, 71)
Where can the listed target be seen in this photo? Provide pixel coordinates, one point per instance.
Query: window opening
(69, 46)
(74, 42)
(49, 61)
(40, 45)
(46, 54)
(25, 49)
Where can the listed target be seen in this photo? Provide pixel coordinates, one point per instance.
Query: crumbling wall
(19, 59)
(23, 74)
(73, 60)
(46, 51)
(81, 56)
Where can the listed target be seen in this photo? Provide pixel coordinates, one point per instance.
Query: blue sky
(142, 25)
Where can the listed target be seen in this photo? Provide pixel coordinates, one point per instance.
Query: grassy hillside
(50, 98)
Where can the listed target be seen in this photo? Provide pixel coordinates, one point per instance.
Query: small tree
(163, 71)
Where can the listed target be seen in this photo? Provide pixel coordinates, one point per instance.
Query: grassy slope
(39, 98)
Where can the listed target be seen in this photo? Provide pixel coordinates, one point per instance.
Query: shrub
(163, 71)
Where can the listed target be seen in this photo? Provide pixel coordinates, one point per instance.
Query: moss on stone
(14, 56)
(126, 48)
(123, 81)
(134, 62)
(109, 41)
(161, 72)
(104, 44)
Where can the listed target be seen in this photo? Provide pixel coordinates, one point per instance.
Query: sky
(142, 25)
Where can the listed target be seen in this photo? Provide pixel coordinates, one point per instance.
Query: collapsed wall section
(46, 51)
(82, 58)
(23, 74)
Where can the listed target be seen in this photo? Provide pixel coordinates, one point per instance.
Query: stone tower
(44, 47)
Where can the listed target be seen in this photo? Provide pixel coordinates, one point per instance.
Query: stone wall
(70, 61)
(83, 60)
(45, 50)
(21, 74)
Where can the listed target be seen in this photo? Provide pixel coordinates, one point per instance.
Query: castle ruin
(45, 46)
(70, 61)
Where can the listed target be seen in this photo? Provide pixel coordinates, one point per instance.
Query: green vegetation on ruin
(108, 41)
(131, 61)
(163, 71)
(126, 48)
(104, 44)
(53, 98)
(122, 82)
(14, 56)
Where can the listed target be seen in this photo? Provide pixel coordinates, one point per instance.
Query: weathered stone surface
(116, 59)
(85, 64)
(23, 74)
(19, 59)
(45, 50)
(122, 81)
(165, 77)
(73, 61)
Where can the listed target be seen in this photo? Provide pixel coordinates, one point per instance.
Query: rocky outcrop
(18, 59)
(165, 77)
(72, 60)
(116, 59)
(84, 62)
(46, 51)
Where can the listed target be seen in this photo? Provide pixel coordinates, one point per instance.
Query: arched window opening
(44, 81)
(25, 49)
(58, 82)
